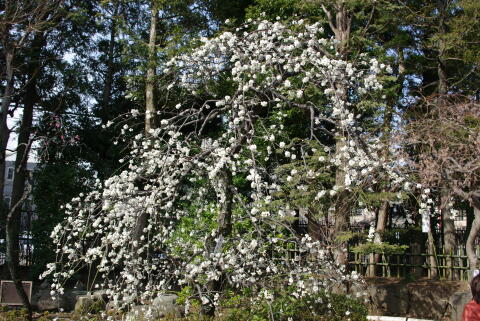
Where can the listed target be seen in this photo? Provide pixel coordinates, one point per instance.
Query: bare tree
(449, 154)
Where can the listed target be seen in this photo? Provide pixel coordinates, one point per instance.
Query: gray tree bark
(472, 236)
(150, 112)
(223, 187)
(432, 259)
(449, 240)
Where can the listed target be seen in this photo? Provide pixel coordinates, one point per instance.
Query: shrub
(283, 306)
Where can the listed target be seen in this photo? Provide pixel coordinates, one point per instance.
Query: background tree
(451, 163)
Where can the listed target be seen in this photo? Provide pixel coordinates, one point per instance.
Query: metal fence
(25, 240)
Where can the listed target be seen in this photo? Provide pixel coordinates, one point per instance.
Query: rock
(389, 299)
(457, 301)
(422, 299)
(45, 285)
(89, 304)
(162, 306)
(43, 301)
(167, 303)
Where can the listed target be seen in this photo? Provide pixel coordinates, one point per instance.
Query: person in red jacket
(471, 312)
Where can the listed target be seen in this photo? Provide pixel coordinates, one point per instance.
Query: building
(28, 215)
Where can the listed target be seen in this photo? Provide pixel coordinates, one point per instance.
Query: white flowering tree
(205, 227)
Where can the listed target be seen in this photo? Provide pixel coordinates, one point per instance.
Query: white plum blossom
(136, 226)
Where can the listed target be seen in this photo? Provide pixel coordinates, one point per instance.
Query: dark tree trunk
(6, 100)
(441, 61)
(107, 89)
(19, 192)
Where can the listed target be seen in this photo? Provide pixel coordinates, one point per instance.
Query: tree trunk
(416, 241)
(150, 104)
(223, 186)
(432, 258)
(382, 214)
(4, 130)
(445, 195)
(472, 236)
(19, 192)
(107, 88)
(150, 110)
(448, 225)
(340, 25)
(381, 222)
(341, 210)
(441, 63)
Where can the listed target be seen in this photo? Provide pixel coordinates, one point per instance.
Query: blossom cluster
(174, 216)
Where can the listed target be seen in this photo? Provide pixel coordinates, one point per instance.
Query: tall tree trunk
(441, 61)
(432, 258)
(223, 186)
(150, 103)
(6, 100)
(19, 193)
(107, 88)
(449, 241)
(340, 25)
(442, 89)
(472, 236)
(382, 214)
(150, 112)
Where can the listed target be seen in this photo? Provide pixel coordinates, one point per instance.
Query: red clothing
(471, 312)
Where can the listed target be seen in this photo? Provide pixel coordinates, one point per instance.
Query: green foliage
(55, 184)
(13, 315)
(349, 236)
(285, 9)
(285, 306)
(384, 248)
(377, 198)
(95, 306)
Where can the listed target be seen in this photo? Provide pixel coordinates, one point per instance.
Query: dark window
(10, 173)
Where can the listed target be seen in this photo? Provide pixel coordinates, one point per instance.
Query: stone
(89, 304)
(422, 299)
(389, 299)
(45, 285)
(43, 301)
(164, 305)
(167, 303)
(457, 302)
